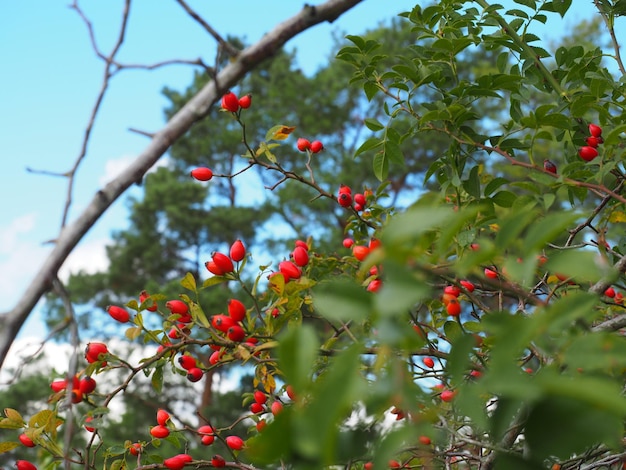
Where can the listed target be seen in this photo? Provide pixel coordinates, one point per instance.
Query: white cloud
(116, 166)
(89, 256)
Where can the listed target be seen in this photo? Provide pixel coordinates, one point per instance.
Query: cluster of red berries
(291, 269)
(231, 103)
(360, 252)
(80, 387)
(221, 264)
(617, 297)
(589, 151)
(346, 199)
(450, 297)
(314, 147)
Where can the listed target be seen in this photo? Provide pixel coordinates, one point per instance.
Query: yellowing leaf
(8, 446)
(279, 132)
(494, 227)
(189, 282)
(133, 332)
(41, 419)
(617, 217)
(13, 415)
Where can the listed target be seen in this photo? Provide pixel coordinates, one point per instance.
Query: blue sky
(51, 77)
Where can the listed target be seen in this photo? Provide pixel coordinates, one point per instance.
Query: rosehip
(206, 430)
(344, 189)
(454, 291)
(475, 373)
(595, 130)
(175, 463)
(316, 146)
(58, 385)
(300, 243)
(89, 419)
(276, 407)
(159, 431)
(87, 385)
(236, 310)
(213, 268)
(549, 166)
(236, 333)
(587, 153)
(303, 144)
(360, 252)
(425, 440)
(348, 242)
(218, 461)
(300, 256)
(344, 200)
(222, 322)
(261, 425)
(207, 440)
(609, 292)
(237, 251)
(428, 362)
(26, 441)
(245, 101)
(223, 262)
(260, 397)
(202, 173)
(490, 273)
(374, 243)
(118, 313)
(453, 308)
(447, 395)
(359, 199)
(368, 466)
(187, 362)
(24, 465)
(230, 102)
(469, 287)
(289, 270)
(215, 357)
(177, 307)
(593, 141)
(135, 448)
(290, 393)
(256, 408)
(95, 351)
(194, 374)
(162, 417)
(143, 296)
(234, 442)
(374, 285)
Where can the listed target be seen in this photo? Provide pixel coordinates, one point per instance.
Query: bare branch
(194, 110)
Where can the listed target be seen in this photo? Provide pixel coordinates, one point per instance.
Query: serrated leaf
(189, 282)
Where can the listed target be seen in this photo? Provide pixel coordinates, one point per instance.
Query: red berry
(344, 200)
(303, 144)
(360, 252)
(348, 242)
(453, 308)
(587, 153)
(58, 385)
(223, 262)
(187, 362)
(276, 407)
(300, 243)
(394, 464)
(236, 333)
(135, 448)
(316, 146)
(234, 442)
(87, 385)
(261, 425)
(177, 307)
(549, 166)
(425, 440)
(207, 440)
(447, 395)
(469, 287)
(289, 270)
(202, 173)
(218, 461)
(260, 397)
(162, 417)
(491, 273)
(230, 102)
(290, 393)
(454, 291)
(159, 431)
(610, 292)
(24, 465)
(300, 256)
(343, 189)
(593, 141)
(77, 396)
(256, 408)
(374, 243)
(177, 462)
(89, 419)
(206, 430)
(213, 268)
(245, 101)
(595, 130)
(222, 322)
(26, 441)
(374, 285)
(359, 199)
(236, 310)
(194, 374)
(237, 251)
(143, 296)
(428, 362)
(118, 313)
(95, 351)
(475, 373)
(368, 466)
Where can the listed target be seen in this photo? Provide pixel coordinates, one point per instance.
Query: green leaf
(380, 166)
(401, 290)
(596, 352)
(504, 198)
(613, 137)
(373, 124)
(472, 183)
(548, 229)
(342, 300)
(157, 378)
(297, 351)
(189, 282)
(369, 144)
(580, 265)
